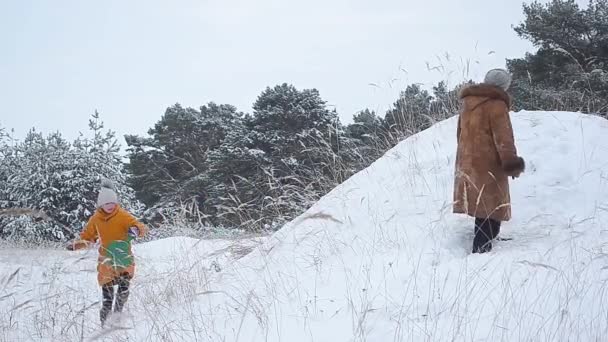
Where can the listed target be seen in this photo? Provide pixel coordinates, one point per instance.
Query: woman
(486, 156)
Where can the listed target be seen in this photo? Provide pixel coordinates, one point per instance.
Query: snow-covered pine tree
(287, 156)
(5, 151)
(61, 180)
(445, 101)
(170, 167)
(365, 125)
(410, 113)
(3, 143)
(236, 173)
(296, 129)
(367, 140)
(34, 166)
(98, 157)
(569, 71)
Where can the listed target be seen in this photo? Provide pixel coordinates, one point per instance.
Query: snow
(380, 258)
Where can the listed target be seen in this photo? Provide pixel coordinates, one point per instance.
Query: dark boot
(495, 228)
(107, 291)
(482, 242)
(123, 292)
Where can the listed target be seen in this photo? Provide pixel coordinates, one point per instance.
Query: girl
(114, 227)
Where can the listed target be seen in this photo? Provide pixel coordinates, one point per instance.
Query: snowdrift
(380, 258)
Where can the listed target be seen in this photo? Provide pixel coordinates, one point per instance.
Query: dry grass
(183, 301)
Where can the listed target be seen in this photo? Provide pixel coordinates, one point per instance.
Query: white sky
(61, 60)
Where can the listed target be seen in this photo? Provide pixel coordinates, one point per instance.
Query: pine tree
(99, 158)
(289, 124)
(410, 113)
(278, 161)
(366, 126)
(5, 152)
(61, 179)
(365, 141)
(569, 71)
(238, 179)
(35, 166)
(445, 101)
(170, 167)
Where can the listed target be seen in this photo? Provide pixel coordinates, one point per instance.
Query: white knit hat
(106, 194)
(498, 77)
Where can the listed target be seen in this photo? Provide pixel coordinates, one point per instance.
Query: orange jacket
(108, 228)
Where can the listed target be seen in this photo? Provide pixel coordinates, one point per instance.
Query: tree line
(215, 166)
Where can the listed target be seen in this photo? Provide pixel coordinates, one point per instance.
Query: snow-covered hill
(380, 258)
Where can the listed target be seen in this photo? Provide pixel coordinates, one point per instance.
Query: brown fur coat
(486, 155)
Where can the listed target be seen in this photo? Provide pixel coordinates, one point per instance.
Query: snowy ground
(380, 258)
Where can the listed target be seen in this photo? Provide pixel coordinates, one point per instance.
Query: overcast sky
(130, 60)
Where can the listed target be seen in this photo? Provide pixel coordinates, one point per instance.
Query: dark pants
(122, 294)
(486, 229)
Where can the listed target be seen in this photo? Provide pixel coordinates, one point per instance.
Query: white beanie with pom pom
(107, 193)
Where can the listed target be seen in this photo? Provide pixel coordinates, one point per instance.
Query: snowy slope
(380, 258)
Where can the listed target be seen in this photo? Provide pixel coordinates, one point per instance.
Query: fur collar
(486, 90)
